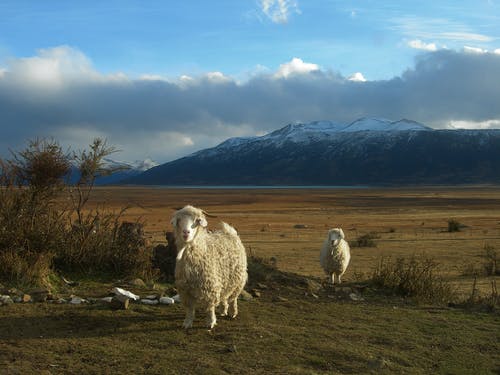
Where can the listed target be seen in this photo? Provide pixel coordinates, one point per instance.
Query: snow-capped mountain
(366, 151)
(122, 170)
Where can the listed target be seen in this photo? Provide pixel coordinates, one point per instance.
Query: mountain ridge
(365, 151)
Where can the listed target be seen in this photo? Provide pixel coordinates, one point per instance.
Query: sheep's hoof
(211, 325)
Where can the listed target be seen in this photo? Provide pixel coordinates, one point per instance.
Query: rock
(255, 293)
(177, 298)
(39, 295)
(261, 286)
(120, 302)
(356, 297)
(75, 300)
(106, 299)
(122, 292)
(6, 300)
(146, 301)
(138, 282)
(151, 296)
(166, 301)
(25, 298)
(245, 296)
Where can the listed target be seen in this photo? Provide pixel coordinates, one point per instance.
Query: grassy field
(287, 329)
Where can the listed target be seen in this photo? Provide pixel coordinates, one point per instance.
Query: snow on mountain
(320, 130)
(138, 165)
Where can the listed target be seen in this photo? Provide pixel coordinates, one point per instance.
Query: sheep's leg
(234, 307)
(212, 320)
(190, 311)
(225, 307)
(332, 278)
(338, 278)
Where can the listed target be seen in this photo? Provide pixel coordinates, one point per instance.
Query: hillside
(367, 151)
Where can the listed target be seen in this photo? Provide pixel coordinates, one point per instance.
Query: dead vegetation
(46, 226)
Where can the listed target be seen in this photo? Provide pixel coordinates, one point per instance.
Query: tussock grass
(416, 277)
(365, 240)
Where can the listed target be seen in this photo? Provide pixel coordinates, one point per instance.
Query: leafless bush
(416, 277)
(46, 225)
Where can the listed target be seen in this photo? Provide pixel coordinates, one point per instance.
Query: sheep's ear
(203, 222)
(174, 221)
(342, 235)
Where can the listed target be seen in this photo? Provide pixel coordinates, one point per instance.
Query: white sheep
(335, 255)
(211, 267)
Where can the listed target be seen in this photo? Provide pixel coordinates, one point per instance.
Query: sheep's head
(335, 235)
(187, 222)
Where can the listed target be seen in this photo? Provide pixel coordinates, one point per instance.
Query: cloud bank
(59, 94)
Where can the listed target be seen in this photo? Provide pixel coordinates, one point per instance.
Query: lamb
(335, 255)
(211, 267)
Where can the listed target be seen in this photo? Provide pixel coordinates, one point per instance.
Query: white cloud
(218, 77)
(477, 50)
(53, 67)
(469, 124)
(279, 11)
(295, 66)
(432, 29)
(357, 77)
(497, 51)
(418, 44)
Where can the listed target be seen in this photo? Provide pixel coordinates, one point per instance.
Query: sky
(163, 79)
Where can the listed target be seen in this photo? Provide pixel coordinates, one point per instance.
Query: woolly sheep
(335, 255)
(211, 267)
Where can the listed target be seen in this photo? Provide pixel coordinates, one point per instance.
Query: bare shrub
(366, 240)
(416, 277)
(490, 265)
(454, 226)
(46, 226)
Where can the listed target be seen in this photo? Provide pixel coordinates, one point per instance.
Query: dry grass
(297, 333)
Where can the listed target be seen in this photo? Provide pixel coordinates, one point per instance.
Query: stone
(122, 292)
(120, 302)
(75, 300)
(25, 298)
(261, 286)
(255, 293)
(245, 296)
(356, 297)
(166, 301)
(177, 298)
(151, 296)
(106, 299)
(146, 301)
(6, 300)
(39, 295)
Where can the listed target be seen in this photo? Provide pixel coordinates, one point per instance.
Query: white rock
(107, 299)
(146, 301)
(356, 297)
(177, 298)
(151, 296)
(77, 300)
(126, 293)
(6, 300)
(167, 301)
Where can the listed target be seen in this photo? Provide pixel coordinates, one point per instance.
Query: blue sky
(163, 78)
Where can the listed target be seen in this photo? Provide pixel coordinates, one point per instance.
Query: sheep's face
(187, 226)
(335, 235)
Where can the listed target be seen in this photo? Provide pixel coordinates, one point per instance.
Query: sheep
(335, 255)
(211, 267)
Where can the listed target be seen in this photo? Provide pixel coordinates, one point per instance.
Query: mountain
(124, 170)
(365, 152)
